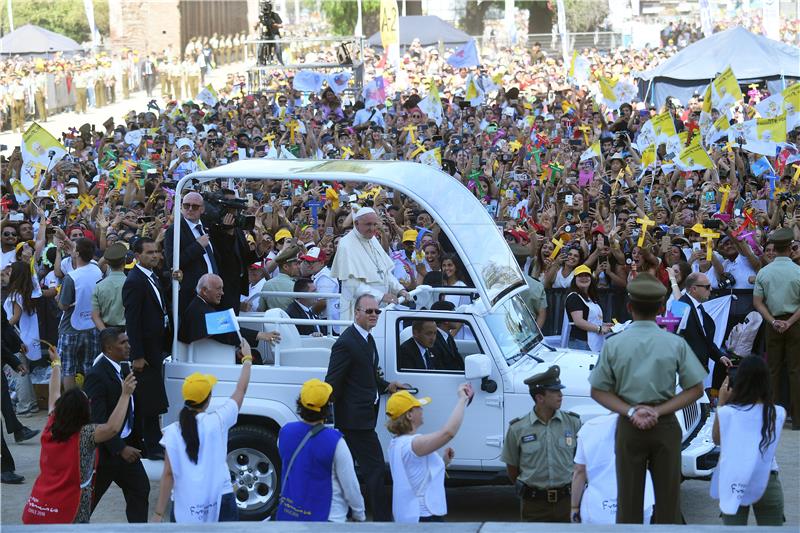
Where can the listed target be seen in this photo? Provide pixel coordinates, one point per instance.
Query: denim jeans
(576, 344)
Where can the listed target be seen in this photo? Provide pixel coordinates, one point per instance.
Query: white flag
(431, 105)
(338, 81)
(770, 107)
(466, 56)
(308, 81)
(208, 96)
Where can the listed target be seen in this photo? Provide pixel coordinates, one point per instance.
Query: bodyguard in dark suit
(700, 328)
(147, 325)
(353, 373)
(302, 308)
(119, 458)
(196, 254)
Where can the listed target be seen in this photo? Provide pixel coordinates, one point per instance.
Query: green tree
(66, 17)
(342, 16)
(584, 15)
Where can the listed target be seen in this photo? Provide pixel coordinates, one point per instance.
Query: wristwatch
(630, 412)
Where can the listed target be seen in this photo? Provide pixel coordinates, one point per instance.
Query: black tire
(254, 463)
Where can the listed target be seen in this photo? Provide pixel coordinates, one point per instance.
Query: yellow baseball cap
(401, 402)
(315, 394)
(410, 235)
(583, 269)
(283, 234)
(197, 387)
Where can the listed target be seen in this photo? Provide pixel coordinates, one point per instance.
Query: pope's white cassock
(362, 267)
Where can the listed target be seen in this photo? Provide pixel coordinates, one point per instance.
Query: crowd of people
(87, 259)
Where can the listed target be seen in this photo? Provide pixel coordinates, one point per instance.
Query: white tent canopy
(752, 58)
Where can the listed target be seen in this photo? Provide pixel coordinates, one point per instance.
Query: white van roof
(472, 231)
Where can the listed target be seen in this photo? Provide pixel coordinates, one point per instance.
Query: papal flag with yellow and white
(726, 90)
(613, 93)
(717, 130)
(791, 105)
(591, 152)
(40, 152)
(694, 157)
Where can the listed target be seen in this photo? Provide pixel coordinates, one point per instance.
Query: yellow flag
(683, 136)
(572, 65)
(607, 88)
(722, 124)
(791, 99)
(390, 23)
(472, 89)
(772, 129)
(200, 164)
(707, 99)
(663, 125)
(649, 156)
(727, 86)
(694, 156)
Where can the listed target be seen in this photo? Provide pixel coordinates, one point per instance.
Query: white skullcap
(183, 141)
(363, 212)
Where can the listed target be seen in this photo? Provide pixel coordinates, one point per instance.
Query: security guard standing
(635, 377)
(776, 295)
(539, 450)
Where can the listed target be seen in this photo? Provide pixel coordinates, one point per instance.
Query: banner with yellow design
(40, 152)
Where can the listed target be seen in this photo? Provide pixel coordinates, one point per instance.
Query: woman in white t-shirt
(196, 447)
(747, 428)
(417, 470)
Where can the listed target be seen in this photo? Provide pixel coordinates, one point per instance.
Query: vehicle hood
(575, 367)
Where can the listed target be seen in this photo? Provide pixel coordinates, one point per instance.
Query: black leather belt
(551, 495)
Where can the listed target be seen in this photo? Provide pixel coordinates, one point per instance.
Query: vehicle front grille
(691, 415)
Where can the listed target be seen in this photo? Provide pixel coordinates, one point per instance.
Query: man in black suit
(196, 254)
(120, 458)
(192, 323)
(148, 328)
(417, 352)
(700, 328)
(302, 308)
(445, 346)
(354, 374)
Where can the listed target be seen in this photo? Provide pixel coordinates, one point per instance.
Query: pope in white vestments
(363, 267)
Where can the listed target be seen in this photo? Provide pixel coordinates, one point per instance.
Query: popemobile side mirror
(477, 366)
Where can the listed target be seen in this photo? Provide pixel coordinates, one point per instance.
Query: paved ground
(56, 124)
(466, 504)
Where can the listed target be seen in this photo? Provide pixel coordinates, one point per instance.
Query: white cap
(363, 212)
(183, 141)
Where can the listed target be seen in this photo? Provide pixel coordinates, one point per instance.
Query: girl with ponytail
(196, 448)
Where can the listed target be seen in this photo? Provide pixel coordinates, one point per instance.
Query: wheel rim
(253, 476)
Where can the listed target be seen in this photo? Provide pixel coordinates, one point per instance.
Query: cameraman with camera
(226, 222)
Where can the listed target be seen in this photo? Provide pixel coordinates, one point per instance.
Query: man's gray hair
(361, 297)
(203, 281)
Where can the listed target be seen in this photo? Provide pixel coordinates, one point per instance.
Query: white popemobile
(502, 344)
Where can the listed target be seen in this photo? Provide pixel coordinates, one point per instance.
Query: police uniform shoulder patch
(570, 413)
(515, 420)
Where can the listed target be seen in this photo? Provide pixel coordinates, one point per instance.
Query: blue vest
(307, 494)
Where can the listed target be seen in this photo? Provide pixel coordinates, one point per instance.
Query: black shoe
(24, 434)
(12, 478)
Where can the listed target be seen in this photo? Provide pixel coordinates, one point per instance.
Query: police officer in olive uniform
(635, 377)
(539, 450)
(776, 295)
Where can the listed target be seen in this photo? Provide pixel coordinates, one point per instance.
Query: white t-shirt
(199, 487)
(28, 327)
(416, 480)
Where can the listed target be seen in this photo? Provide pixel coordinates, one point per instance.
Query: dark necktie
(428, 356)
(209, 250)
(157, 286)
(374, 349)
(312, 316)
(707, 320)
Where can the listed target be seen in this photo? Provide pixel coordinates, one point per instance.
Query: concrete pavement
(465, 504)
